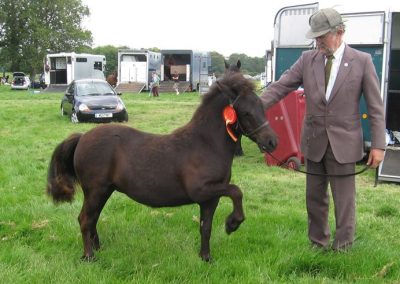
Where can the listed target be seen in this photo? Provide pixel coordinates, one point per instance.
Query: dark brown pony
(112, 79)
(190, 165)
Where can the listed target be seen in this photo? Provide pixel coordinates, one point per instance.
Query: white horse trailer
(136, 66)
(63, 68)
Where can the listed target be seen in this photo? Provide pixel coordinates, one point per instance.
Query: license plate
(102, 115)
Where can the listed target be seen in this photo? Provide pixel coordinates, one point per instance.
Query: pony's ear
(238, 64)
(226, 64)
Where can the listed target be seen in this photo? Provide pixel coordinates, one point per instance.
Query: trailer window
(98, 65)
(52, 63)
(68, 59)
(134, 58)
(81, 59)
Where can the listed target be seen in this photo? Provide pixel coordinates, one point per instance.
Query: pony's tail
(61, 177)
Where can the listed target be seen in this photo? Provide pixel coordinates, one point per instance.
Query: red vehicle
(286, 118)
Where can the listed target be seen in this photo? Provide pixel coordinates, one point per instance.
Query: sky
(224, 26)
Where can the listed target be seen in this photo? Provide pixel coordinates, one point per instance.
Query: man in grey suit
(334, 77)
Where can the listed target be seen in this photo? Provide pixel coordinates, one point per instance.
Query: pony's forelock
(235, 81)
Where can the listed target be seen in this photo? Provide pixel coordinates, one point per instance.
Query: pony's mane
(221, 93)
(235, 82)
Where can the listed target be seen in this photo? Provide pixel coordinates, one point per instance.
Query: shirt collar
(339, 52)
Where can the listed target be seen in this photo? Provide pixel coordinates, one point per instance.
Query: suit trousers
(317, 200)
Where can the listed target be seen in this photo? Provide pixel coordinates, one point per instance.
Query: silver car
(20, 81)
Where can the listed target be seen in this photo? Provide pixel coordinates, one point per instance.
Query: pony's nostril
(272, 144)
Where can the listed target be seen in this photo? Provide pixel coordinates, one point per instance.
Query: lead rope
(285, 165)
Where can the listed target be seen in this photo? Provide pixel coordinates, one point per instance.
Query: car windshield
(93, 89)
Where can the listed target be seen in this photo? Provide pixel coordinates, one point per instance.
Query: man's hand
(375, 158)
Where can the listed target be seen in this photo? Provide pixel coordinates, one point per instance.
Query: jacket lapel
(319, 73)
(344, 69)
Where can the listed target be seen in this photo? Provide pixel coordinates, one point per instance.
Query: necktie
(328, 67)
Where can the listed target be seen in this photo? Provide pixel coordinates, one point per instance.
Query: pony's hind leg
(207, 210)
(91, 209)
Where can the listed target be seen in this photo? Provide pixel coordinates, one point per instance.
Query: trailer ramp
(133, 87)
(168, 87)
(55, 88)
(389, 169)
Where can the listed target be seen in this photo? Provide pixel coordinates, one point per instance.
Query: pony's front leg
(234, 219)
(210, 191)
(207, 210)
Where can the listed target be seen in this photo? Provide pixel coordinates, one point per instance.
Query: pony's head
(251, 120)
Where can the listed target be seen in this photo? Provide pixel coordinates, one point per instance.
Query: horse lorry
(374, 32)
(60, 69)
(135, 69)
(193, 68)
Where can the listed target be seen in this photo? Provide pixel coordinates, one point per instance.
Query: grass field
(41, 242)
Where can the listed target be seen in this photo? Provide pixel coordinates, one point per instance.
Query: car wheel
(74, 117)
(62, 111)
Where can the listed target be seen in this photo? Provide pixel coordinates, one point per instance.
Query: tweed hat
(323, 21)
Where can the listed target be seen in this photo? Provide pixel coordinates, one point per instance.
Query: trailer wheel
(293, 163)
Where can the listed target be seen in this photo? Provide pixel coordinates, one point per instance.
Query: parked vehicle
(20, 81)
(92, 100)
(39, 83)
(62, 68)
(192, 66)
(135, 68)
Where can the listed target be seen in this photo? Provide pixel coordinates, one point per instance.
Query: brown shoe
(343, 249)
(318, 246)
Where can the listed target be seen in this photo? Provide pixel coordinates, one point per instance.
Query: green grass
(41, 242)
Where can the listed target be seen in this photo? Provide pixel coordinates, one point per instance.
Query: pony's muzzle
(268, 142)
(269, 146)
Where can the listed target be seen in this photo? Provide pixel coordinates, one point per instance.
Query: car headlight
(120, 106)
(83, 108)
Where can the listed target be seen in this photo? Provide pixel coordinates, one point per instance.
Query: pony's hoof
(96, 246)
(88, 258)
(205, 257)
(232, 224)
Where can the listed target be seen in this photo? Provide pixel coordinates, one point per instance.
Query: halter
(252, 132)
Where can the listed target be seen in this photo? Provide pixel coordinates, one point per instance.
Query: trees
(29, 29)
(250, 65)
(217, 63)
(111, 54)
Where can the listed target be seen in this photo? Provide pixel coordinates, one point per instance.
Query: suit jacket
(337, 120)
